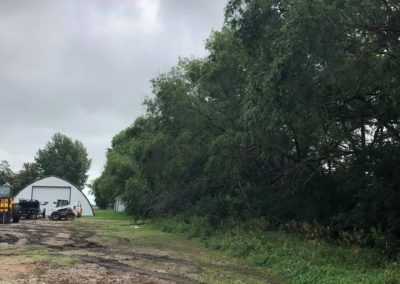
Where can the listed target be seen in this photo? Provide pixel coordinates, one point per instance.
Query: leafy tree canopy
(6, 174)
(28, 174)
(65, 158)
(294, 115)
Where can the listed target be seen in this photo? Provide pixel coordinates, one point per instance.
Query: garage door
(50, 195)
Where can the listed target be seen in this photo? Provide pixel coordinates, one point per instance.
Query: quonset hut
(50, 190)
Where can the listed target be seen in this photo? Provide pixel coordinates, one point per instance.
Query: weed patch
(295, 257)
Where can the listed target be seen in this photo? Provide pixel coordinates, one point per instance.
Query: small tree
(6, 174)
(65, 158)
(28, 174)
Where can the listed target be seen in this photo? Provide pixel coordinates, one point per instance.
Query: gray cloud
(83, 67)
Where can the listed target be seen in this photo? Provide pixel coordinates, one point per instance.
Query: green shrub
(111, 215)
(392, 274)
(383, 242)
(200, 227)
(175, 225)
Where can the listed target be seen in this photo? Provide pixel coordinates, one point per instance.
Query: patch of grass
(174, 225)
(216, 276)
(127, 231)
(213, 266)
(38, 256)
(305, 261)
(291, 256)
(45, 256)
(111, 215)
(12, 250)
(63, 261)
(114, 227)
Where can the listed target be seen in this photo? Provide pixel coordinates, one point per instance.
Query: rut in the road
(114, 265)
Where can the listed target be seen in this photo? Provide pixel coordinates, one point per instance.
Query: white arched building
(49, 190)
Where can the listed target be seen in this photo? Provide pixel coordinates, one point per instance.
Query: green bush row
(295, 256)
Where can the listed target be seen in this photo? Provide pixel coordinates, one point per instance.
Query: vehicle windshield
(61, 203)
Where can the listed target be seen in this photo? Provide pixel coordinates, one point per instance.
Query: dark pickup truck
(31, 209)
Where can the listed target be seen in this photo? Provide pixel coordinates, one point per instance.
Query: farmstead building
(50, 190)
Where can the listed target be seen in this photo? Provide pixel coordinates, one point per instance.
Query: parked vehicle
(9, 207)
(30, 209)
(66, 211)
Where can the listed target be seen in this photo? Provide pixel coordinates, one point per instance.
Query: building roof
(63, 179)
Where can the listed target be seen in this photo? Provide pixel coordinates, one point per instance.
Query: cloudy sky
(82, 67)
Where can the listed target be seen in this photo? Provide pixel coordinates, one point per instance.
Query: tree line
(62, 157)
(293, 116)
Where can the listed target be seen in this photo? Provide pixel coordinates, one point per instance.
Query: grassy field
(115, 247)
(111, 215)
(305, 261)
(292, 257)
(214, 266)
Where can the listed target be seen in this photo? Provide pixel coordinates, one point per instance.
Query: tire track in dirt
(87, 258)
(119, 266)
(61, 239)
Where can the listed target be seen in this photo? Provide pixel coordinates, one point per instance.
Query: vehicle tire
(55, 216)
(16, 213)
(70, 216)
(8, 217)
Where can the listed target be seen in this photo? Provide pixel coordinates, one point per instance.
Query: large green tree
(293, 115)
(64, 157)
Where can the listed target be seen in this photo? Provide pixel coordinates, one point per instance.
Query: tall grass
(111, 215)
(293, 256)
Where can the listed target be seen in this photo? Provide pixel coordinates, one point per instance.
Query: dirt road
(104, 251)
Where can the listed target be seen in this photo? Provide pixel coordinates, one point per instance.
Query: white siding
(50, 195)
(119, 206)
(51, 189)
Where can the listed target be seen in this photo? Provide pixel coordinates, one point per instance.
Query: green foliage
(6, 174)
(28, 174)
(292, 117)
(111, 215)
(65, 158)
(302, 260)
(174, 225)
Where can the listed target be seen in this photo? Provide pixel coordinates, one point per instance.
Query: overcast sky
(82, 67)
